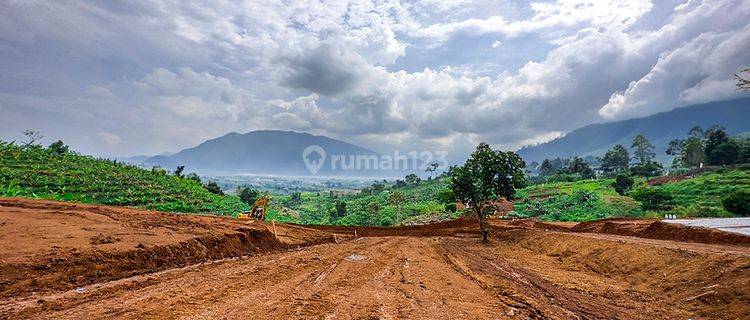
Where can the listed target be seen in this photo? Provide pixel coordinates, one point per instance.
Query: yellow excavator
(258, 211)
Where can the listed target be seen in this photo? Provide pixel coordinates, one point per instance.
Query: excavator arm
(258, 210)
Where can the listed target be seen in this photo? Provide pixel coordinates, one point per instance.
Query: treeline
(701, 147)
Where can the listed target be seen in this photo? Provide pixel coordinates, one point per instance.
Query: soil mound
(654, 229)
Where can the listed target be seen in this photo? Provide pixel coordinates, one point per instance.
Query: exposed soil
(528, 271)
(54, 246)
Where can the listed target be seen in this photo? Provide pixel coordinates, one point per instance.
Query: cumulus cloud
(161, 80)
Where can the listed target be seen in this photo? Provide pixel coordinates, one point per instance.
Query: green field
(36, 172)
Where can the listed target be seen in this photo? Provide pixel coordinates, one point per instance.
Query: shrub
(214, 188)
(58, 147)
(738, 203)
(697, 211)
(622, 184)
(248, 195)
(648, 169)
(652, 198)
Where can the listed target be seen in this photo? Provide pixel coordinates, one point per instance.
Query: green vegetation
(55, 173)
(581, 200)
(378, 206)
(707, 190)
(738, 202)
(487, 176)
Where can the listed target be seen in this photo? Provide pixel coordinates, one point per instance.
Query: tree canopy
(486, 176)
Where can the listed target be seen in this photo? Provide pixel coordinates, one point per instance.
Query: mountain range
(272, 152)
(275, 152)
(660, 128)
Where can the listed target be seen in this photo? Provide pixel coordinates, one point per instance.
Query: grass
(706, 190)
(36, 172)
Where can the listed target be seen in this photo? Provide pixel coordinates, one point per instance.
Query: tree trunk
(482, 226)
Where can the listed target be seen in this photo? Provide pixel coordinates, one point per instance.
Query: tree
(648, 169)
(744, 155)
(714, 138)
(725, 153)
(296, 197)
(193, 176)
(675, 147)
(742, 83)
(580, 167)
(432, 167)
(214, 188)
(248, 195)
(412, 179)
(58, 147)
(487, 176)
(652, 199)
(643, 150)
(32, 137)
(546, 169)
(623, 184)
(340, 209)
(178, 171)
(692, 153)
(696, 131)
(616, 159)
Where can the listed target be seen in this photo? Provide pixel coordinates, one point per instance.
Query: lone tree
(643, 150)
(32, 137)
(487, 176)
(432, 167)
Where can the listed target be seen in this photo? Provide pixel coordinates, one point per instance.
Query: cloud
(110, 138)
(699, 70)
(162, 76)
(561, 13)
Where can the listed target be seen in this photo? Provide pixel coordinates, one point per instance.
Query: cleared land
(168, 266)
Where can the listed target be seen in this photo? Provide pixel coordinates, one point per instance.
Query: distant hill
(262, 152)
(660, 128)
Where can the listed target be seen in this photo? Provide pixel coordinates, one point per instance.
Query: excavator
(258, 211)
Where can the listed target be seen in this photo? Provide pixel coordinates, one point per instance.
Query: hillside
(660, 128)
(37, 172)
(259, 152)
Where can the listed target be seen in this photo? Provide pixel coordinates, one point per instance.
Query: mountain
(270, 152)
(596, 139)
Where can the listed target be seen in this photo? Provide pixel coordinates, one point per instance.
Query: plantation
(702, 195)
(582, 200)
(37, 172)
(386, 207)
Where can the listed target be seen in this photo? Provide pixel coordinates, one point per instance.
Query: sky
(124, 78)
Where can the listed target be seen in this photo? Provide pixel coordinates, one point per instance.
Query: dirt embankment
(55, 246)
(640, 228)
(530, 269)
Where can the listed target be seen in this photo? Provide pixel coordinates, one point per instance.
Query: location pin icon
(314, 156)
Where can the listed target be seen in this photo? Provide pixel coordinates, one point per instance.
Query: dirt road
(524, 273)
(426, 278)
